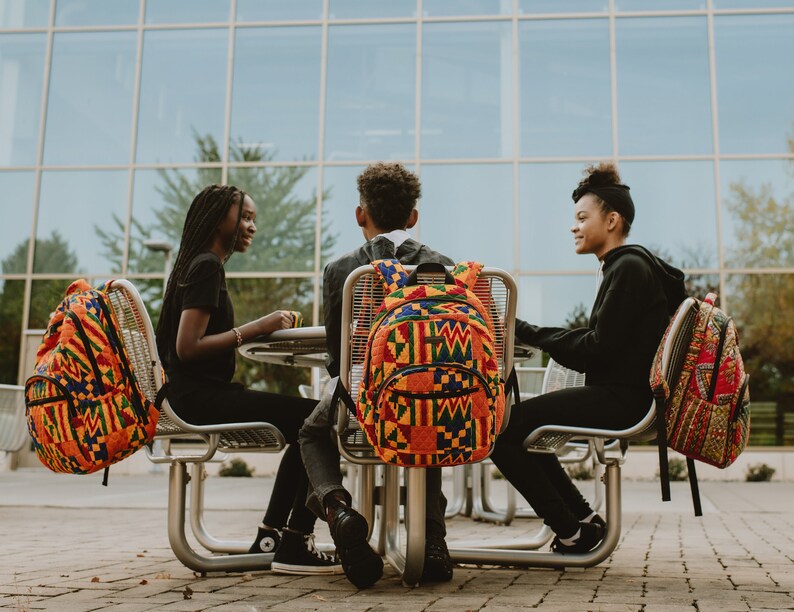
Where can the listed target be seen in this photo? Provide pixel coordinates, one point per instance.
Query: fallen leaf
(95, 579)
(246, 577)
(187, 593)
(163, 576)
(144, 581)
(319, 597)
(64, 575)
(140, 555)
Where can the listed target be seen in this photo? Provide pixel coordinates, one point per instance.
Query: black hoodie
(636, 297)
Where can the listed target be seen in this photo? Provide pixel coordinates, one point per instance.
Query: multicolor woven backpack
(85, 409)
(705, 395)
(431, 392)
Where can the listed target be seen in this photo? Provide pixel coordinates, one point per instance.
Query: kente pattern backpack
(705, 396)
(85, 409)
(431, 392)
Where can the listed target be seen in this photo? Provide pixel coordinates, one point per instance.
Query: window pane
(467, 85)
(70, 239)
(24, 13)
(546, 213)
(755, 83)
(569, 6)
(660, 5)
(442, 8)
(339, 219)
(12, 295)
(187, 11)
(676, 210)
(766, 332)
(276, 95)
(160, 202)
(560, 61)
(556, 301)
(286, 201)
(365, 9)
(16, 209)
(466, 212)
(753, 4)
(278, 10)
(664, 101)
(182, 93)
(45, 295)
(90, 105)
(371, 101)
(96, 12)
(21, 75)
(757, 208)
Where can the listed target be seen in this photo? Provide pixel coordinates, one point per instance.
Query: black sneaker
(591, 535)
(598, 520)
(266, 541)
(362, 565)
(438, 563)
(297, 555)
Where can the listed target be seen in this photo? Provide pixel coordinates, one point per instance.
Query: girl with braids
(636, 295)
(197, 338)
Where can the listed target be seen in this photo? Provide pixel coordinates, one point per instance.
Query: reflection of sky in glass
(370, 105)
(21, 74)
(443, 8)
(90, 105)
(16, 208)
(24, 13)
(276, 91)
(187, 11)
(182, 92)
(659, 5)
(676, 209)
(466, 212)
(545, 212)
(756, 175)
(569, 6)
(664, 101)
(755, 82)
(361, 9)
(76, 202)
(339, 217)
(278, 10)
(467, 80)
(565, 89)
(96, 12)
(753, 4)
(550, 300)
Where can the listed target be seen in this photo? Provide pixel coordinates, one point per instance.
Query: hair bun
(605, 173)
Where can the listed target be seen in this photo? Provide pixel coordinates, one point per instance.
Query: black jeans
(321, 458)
(539, 477)
(205, 404)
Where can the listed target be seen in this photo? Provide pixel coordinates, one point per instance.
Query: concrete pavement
(70, 544)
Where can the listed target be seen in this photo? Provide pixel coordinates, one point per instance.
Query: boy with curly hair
(386, 210)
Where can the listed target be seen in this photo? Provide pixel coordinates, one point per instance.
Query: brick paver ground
(69, 544)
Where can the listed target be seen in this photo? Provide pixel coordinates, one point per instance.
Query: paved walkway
(70, 544)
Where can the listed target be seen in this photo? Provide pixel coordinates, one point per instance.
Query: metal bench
(184, 443)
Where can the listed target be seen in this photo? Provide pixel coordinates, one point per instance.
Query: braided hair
(206, 212)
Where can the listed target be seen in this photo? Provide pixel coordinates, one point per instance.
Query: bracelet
(239, 336)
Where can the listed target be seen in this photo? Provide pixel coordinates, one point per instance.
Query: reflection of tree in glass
(52, 254)
(762, 303)
(285, 241)
(577, 318)
(693, 257)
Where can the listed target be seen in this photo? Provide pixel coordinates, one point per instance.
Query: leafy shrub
(236, 467)
(580, 471)
(676, 468)
(759, 472)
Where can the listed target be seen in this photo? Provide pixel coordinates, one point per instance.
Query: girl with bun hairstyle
(637, 294)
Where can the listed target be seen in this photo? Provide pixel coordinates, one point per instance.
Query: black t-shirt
(203, 286)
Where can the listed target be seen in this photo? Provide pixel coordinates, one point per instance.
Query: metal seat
(362, 295)
(13, 425)
(549, 438)
(180, 440)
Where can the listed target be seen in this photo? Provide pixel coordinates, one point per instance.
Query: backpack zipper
(46, 400)
(715, 371)
(423, 368)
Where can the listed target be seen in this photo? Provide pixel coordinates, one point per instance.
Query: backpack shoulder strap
(392, 274)
(466, 273)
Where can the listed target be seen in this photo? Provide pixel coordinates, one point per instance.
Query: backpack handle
(430, 267)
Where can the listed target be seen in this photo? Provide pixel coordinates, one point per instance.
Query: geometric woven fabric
(85, 409)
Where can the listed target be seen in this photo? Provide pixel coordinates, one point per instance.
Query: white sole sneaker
(305, 570)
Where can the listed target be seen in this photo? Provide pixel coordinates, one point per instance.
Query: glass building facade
(113, 115)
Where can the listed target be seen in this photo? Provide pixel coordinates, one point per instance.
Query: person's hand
(280, 319)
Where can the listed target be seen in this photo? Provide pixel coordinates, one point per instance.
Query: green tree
(52, 254)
